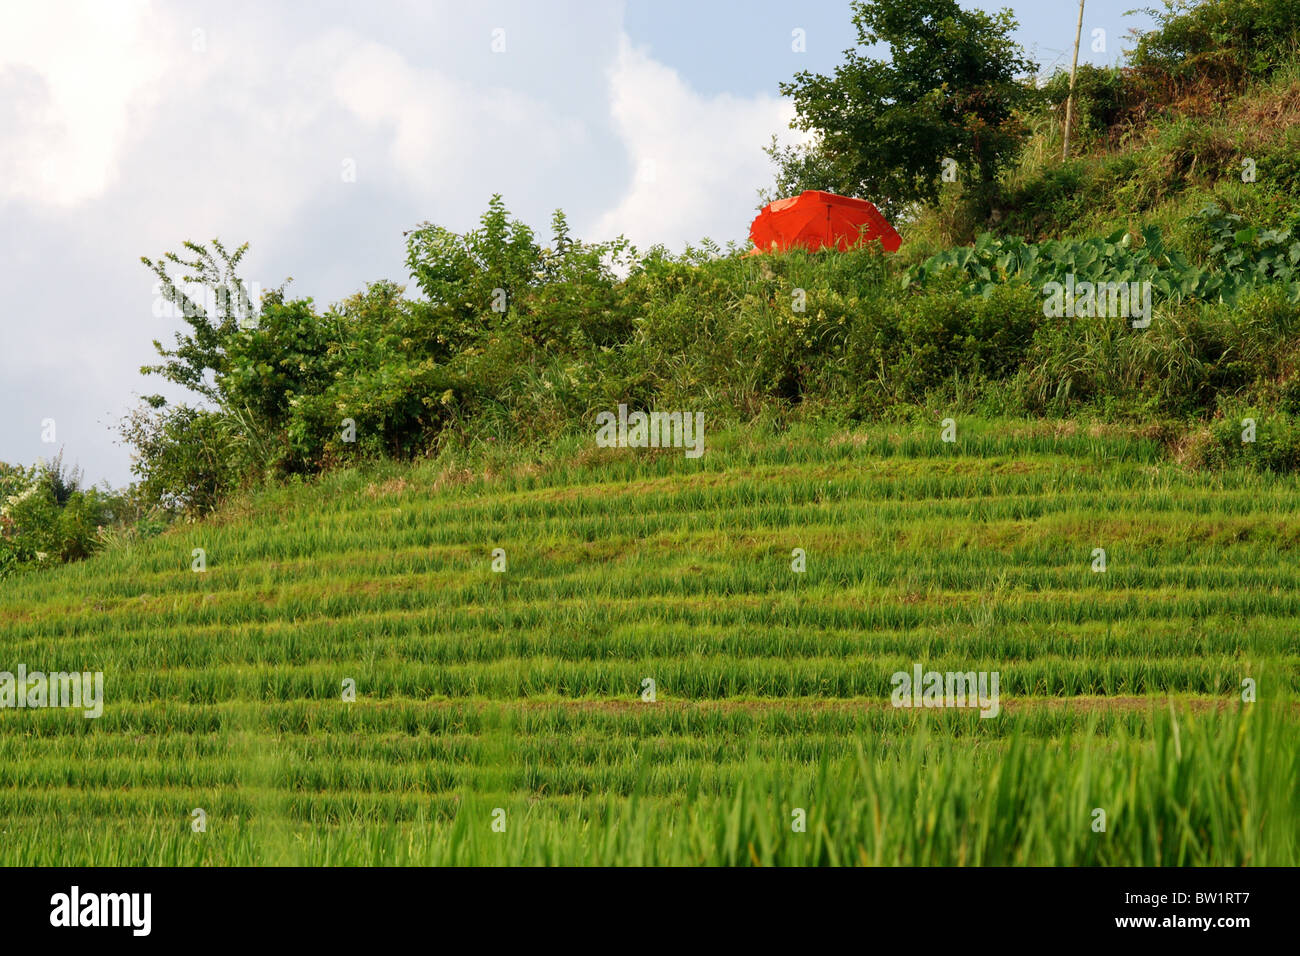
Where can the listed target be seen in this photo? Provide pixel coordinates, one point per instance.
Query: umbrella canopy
(815, 219)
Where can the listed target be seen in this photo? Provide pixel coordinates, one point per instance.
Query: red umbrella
(814, 219)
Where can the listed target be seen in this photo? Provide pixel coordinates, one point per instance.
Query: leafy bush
(1247, 258)
(915, 344)
(1100, 96)
(1276, 443)
(1223, 42)
(46, 517)
(475, 273)
(188, 460)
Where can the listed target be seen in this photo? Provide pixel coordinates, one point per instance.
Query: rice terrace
(977, 548)
(525, 689)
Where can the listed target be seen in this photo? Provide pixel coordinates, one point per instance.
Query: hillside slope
(521, 691)
(1142, 154)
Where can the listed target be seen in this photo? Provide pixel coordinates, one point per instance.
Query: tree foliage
(882, 128)
(48, 517)
(199, 355)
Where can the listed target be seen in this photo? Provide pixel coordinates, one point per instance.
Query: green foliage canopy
(882, 128)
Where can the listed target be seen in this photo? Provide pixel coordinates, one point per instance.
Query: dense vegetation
(48, 517)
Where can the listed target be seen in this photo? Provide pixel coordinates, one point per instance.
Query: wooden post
(1069, 100)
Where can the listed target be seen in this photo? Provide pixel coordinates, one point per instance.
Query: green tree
(883, 128)
(477, 274)
(190, 457)
(201, 353)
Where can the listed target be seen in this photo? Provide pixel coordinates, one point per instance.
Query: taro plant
(1249, 256)
(992, 261)
(1242, 258)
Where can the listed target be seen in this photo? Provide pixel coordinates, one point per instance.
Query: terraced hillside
(498, 715)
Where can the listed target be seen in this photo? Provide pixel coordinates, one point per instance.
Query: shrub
(46, 517)
(188, 460)
(1276, 446)
(1100, 96)
(1223, 42)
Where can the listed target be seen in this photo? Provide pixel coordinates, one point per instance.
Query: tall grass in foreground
(1216, 789)
(1212, 790)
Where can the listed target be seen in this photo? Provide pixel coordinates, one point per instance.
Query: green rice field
(500, 716)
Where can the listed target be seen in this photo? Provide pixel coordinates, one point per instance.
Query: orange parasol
(815, 219)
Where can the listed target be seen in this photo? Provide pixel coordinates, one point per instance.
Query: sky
(319, 132)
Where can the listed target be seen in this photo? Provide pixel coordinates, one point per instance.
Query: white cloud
(696, 162)
(69, 77)
(443, 133)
